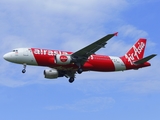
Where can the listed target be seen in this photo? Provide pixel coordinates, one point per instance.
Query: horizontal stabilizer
(143, 60)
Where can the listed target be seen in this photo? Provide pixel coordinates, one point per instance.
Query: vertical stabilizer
(137, 51)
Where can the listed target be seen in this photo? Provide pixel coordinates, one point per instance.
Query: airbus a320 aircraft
(62, 63)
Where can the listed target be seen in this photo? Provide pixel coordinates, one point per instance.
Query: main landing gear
(71, 79)
(80, 70)
(24, 68)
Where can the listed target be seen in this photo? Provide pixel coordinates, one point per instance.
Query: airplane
(63, 63)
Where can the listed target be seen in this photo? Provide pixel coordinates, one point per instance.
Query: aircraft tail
(136, 53)
(137, 50)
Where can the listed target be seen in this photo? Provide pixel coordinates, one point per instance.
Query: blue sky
(71, 25)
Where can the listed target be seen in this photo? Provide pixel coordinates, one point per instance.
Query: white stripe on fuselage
(118, 63)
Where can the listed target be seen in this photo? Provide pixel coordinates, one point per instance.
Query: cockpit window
(15, 50)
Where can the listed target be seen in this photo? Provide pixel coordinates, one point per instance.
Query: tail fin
(137, 51)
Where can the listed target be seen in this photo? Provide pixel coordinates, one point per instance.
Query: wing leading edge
(82, 55)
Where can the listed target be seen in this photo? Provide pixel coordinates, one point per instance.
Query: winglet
(116, 34)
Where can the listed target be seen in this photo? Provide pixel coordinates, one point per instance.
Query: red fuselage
(95, 62)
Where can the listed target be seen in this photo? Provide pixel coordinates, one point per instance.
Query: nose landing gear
(24, 68)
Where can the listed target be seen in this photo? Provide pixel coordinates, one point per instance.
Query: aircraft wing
(82, 55)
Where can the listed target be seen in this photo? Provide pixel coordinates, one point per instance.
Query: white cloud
(12, 42)
(132, 31)
(63, 25)
(12, 83)
(147, 80)
(92, 104)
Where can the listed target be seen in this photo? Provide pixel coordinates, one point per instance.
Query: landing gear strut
(24, 68)
(71, 79)
(80, 70)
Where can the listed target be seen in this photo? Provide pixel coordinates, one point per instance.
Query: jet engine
(51, 73)
(63, 59)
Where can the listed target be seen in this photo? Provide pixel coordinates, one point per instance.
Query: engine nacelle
(51, 73)
(63, 59)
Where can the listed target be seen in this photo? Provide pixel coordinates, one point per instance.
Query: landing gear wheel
(79, 70)
(71, 79)
(24, 68)
(23, 71)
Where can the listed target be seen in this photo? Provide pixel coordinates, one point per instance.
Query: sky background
(70, 25)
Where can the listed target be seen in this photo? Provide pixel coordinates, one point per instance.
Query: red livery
(63, 63)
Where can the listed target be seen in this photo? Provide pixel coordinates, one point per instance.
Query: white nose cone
(6, 57)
